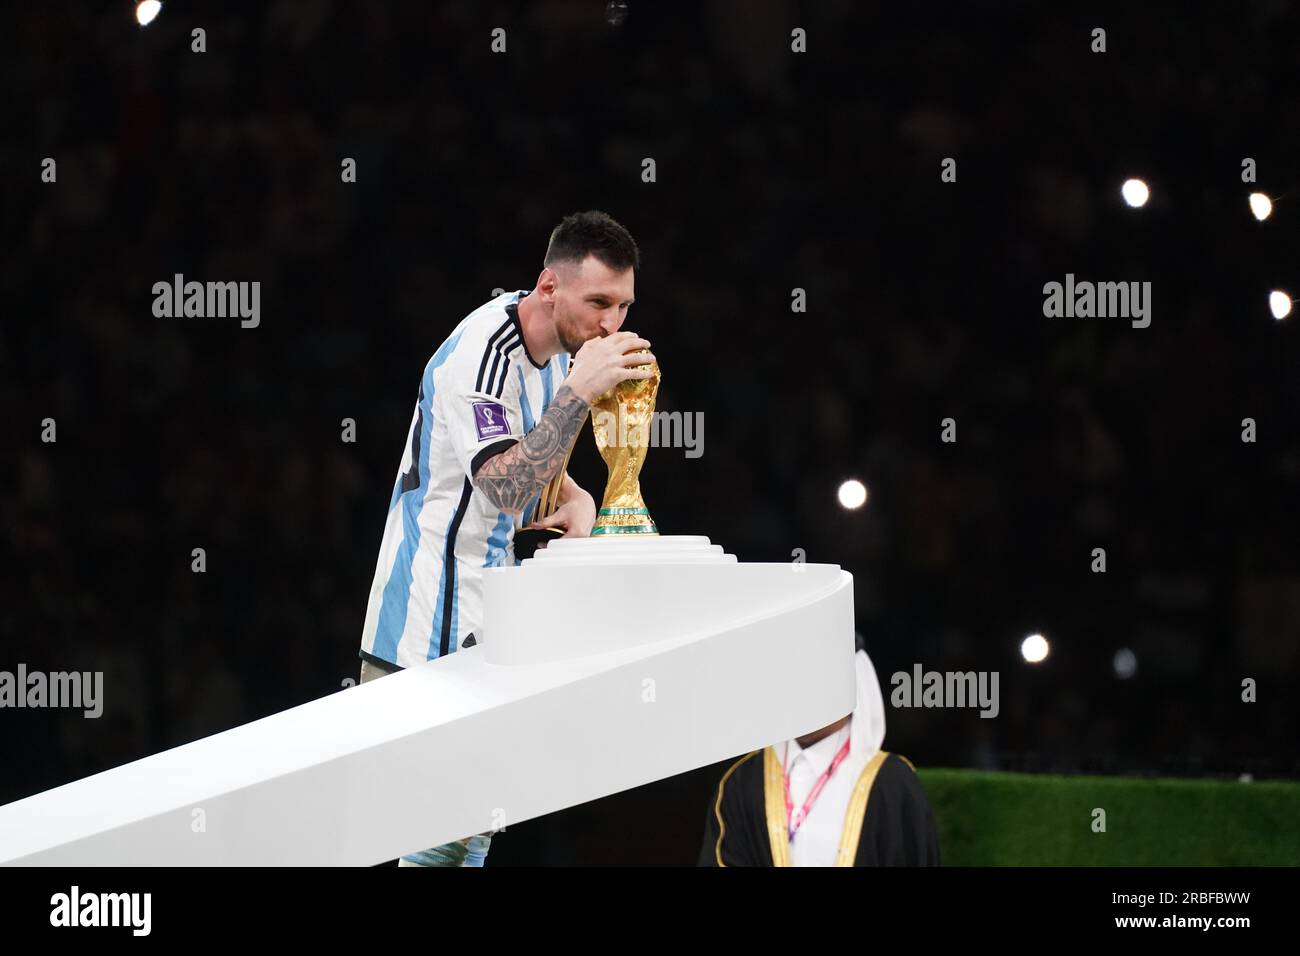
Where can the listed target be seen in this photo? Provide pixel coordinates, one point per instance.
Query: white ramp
(604, 665)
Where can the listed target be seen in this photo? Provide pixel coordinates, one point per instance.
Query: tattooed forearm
(510, 479)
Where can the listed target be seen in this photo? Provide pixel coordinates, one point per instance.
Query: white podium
(603, 664)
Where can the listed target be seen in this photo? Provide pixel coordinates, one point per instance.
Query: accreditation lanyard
(797, 822)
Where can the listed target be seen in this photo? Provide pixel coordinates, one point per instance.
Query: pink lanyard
(797, 822)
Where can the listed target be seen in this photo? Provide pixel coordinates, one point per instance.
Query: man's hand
(509, 480)
(602, 363)
(576, 514)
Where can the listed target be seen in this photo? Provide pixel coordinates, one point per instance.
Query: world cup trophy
(621, 419)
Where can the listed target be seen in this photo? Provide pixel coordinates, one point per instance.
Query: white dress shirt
(818, 839)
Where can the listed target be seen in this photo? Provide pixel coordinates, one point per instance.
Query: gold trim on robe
(774, 798)
(717, 808)
(854, 816)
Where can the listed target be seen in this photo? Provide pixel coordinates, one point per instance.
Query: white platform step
(604, 664)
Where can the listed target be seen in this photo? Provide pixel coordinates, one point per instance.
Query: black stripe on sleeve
(505, 375)
(492, 375)
(490, 451)
(487, 350)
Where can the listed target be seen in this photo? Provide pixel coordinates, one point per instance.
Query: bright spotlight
(1126, 663)
(1261, 206)
(1135, 192)
(1280, 304)
(146, 10)
(853, 494)
(1034, 648)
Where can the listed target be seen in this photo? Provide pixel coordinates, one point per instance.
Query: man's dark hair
(592, 233)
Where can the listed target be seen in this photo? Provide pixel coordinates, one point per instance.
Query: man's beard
(566, 341)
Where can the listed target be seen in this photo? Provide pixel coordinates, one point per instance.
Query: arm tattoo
(510, 479)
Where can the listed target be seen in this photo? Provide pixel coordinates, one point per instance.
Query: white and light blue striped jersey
(481, 392)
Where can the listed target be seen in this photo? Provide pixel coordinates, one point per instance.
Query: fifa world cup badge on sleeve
(490, 420)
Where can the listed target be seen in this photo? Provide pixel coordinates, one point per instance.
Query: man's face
(591, 301)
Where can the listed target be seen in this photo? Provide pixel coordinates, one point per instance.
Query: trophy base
(611, 521)
(633, 549)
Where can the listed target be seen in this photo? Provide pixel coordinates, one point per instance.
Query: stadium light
(852, 494)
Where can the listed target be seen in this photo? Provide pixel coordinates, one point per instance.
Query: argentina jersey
(481, 392)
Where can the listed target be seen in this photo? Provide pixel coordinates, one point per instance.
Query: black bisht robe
(888, 823)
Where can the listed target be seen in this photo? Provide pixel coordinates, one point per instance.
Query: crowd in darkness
(775, 171)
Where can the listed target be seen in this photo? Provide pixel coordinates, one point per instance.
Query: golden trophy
(621, 419)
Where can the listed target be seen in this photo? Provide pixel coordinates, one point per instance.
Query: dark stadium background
(775, 171)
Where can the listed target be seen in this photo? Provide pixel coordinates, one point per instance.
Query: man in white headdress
(829, 798)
